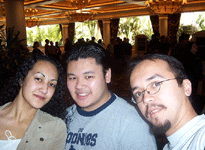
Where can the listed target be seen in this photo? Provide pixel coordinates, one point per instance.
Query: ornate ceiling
(58, 11)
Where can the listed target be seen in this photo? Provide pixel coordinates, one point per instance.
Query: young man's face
(164, 109)
(87, 83)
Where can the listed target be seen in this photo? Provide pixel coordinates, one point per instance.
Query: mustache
(153, 105)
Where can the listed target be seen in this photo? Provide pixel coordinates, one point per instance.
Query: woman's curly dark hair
(58, 103)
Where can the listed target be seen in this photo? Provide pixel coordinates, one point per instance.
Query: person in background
(47, 47)
(58, 51)
(100, 42)
(193, 67)
(53, 50)
(165, 46)
(87, 40)
(99, 119)
(178, 51)
(33, 103)
(154, 44)
(67, 45)
(161, 91)
(35, 48)
(79, 41)
(118, 50)
(92, 40)
(127, 51)
(110, 47)
(67, 48)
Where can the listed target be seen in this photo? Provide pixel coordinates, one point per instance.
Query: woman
(38, 84)
(35, 48)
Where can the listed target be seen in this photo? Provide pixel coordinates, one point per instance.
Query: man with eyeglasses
(161, 91)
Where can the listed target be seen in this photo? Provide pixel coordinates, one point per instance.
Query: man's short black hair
(90, 50)
(175, 66)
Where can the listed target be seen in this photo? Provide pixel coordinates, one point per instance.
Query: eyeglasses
(151, 89)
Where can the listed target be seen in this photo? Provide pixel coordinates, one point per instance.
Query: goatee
(161, 128)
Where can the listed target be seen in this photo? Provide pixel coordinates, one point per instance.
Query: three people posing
(99, 119)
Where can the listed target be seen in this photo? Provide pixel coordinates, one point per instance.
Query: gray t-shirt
(190, 137)
(116, 125)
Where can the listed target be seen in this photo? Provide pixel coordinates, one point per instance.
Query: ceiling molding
(56, 11)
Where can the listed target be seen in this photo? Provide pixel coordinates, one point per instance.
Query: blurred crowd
(120, 51)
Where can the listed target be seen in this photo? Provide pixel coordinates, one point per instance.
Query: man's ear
(108, 76)
(187, 87)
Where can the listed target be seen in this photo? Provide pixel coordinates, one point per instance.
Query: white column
(163, 25)
(15, 17)
(65, 32)
(106, 32)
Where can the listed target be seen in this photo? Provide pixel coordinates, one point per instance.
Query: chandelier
(31, 12)
(80, 16)
(79, 4)
(165, 6)
(31, 21)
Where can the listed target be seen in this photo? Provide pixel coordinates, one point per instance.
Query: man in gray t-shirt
(100, 120)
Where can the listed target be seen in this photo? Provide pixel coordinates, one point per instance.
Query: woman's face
(39, 85)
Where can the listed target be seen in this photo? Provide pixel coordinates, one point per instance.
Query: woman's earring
(20, 82)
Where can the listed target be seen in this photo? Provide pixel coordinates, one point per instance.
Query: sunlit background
(128, 27)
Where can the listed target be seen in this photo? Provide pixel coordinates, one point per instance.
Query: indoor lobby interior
(164, 16)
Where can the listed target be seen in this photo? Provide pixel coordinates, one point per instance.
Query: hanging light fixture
(31, 21)
(165, 6)
(79, 4)
(31, 12)
(80, 16)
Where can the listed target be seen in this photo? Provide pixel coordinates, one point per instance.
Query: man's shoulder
(198, 134)
(199, 121)
(71, 110)
(120, 102)
(123, 108)
(202, 116)
(201, 124)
